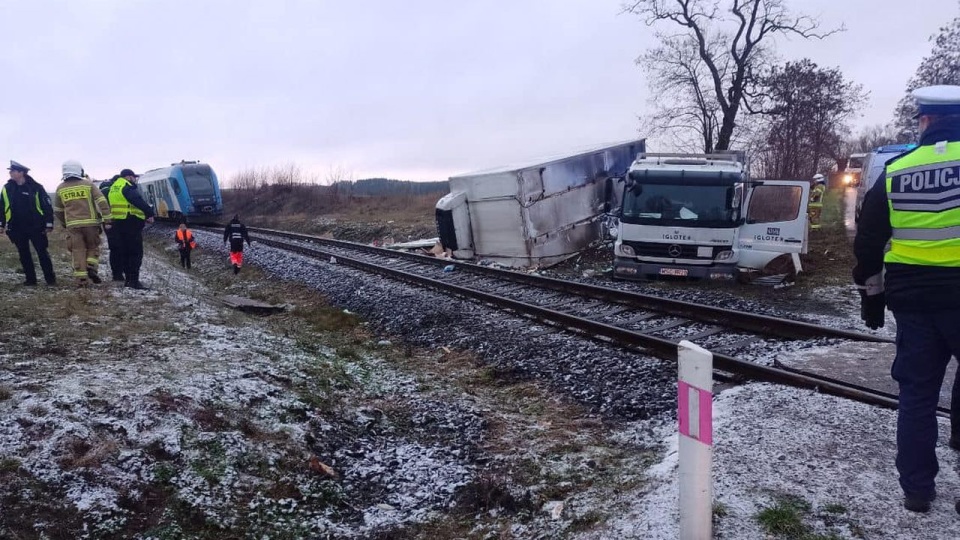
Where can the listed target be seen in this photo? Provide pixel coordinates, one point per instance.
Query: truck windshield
(855, 162)
(680, 205)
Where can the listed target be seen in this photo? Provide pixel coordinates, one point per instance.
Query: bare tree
(873, 136)
(807, 110)
(245, 180)
(941, 66)
(704, 75)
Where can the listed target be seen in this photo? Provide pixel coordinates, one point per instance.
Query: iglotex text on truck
(701, 216)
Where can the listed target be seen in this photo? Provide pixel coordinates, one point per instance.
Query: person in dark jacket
(916, 206)
(236, 234)
(113, 245)
(130, 214)
(26, 215)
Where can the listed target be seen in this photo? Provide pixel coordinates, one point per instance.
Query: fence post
(695, 415)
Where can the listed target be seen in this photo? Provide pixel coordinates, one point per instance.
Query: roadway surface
(867, 364)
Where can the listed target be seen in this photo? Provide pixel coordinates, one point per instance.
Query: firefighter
(914, 205)
(81, 208)
(27, 216)
(815, 207)
(236, 233)
(116, 263)
(185, 244)
(130, 213)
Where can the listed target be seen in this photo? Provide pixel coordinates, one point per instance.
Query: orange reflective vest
(186, 241)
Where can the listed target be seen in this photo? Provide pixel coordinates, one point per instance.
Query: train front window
(198, 184)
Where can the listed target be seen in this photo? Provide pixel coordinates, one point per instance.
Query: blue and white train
(188, 190)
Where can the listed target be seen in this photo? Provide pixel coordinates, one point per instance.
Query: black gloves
(872, 309)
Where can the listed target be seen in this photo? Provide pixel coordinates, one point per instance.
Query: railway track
(627, 319)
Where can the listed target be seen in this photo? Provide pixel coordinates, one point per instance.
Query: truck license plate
(673, 271)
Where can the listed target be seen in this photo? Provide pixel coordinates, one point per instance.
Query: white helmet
(819, 179)
(72, 169)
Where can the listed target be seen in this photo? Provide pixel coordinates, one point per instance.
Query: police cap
(14, 166)
(128, 172)
(938, 100)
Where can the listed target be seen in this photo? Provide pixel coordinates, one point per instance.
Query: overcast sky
(413, 89)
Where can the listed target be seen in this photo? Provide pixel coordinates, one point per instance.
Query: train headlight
(627, 251)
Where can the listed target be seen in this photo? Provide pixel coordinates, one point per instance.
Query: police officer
(915, 206)
(27, 216)
(815, 207)
(130, 213)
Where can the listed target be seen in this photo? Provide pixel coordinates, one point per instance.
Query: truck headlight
(848, 179)
(724, 255)
(627, 251)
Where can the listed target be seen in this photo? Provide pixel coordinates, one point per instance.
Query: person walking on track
(236, 234)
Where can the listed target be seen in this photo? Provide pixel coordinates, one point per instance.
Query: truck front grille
(663, 251)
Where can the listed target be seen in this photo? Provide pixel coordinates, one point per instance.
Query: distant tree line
(336, 182)
(386, 187)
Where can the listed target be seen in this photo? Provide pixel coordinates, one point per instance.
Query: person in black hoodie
(915, 204)
(27, 216)
(236, 233)
(113, 245)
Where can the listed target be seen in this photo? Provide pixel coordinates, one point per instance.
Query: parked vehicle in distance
(850, 176)
(873, 166)
(188, 190)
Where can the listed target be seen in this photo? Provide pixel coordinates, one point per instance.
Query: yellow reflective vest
(923, 191)
(120, 207)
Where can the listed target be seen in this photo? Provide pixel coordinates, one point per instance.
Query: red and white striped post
(695, 414)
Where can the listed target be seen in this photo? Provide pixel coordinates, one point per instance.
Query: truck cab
(701, 216)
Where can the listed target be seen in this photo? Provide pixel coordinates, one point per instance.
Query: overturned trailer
(536, 214)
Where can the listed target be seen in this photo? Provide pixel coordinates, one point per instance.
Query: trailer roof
(527, 164)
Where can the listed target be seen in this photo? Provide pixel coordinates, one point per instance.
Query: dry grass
(830, 258)
(86, 454)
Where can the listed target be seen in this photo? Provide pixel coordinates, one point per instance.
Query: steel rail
(629, 339)
(729, 318)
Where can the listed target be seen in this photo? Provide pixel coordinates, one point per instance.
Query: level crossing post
(695, 416)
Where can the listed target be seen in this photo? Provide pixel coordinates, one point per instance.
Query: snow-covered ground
(117, 403)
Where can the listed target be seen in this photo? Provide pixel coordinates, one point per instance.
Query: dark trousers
(116, 259)
(129, 238)
(925, 343)
(185, 257)
(23, 239)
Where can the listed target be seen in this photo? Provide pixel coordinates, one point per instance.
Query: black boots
(236, 269)
(916, 505)
(94, 277)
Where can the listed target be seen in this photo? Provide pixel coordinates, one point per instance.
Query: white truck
(701, 216)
